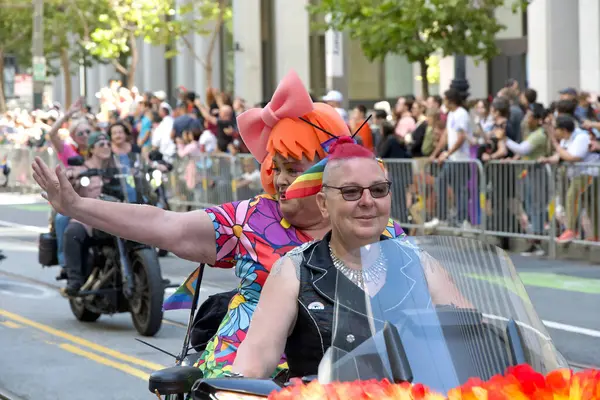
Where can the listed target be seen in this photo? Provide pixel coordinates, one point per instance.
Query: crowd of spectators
(510, 126)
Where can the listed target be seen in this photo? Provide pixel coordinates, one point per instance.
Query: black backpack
(208, 318)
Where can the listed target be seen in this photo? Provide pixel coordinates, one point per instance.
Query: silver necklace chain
(360, 277)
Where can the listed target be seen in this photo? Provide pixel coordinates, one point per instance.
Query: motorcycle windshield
(433, 310)
(133, 178)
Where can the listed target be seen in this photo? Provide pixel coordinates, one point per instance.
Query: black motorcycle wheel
(147, 300)
(80, 312)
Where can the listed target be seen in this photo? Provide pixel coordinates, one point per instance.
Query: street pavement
(45, 353)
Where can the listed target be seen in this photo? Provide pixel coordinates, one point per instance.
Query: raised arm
(56, 141)
(272, 322)
(188, 235)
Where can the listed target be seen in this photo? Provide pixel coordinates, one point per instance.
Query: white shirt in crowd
(459, 120)
(578, 145)
(161, 138)
(208, 141)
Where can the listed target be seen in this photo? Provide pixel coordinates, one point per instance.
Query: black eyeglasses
(353, 193)
(86, 132)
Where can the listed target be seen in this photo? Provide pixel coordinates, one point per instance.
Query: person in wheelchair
(76, 239)
(295, 311)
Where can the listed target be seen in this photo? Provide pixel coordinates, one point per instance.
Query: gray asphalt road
(47, 354)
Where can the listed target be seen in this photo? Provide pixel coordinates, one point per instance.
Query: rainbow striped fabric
(183, 297)
(309, 183)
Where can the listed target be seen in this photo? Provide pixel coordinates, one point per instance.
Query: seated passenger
(296, 309)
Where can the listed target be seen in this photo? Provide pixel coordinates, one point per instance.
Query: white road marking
(7, 199)
(29, 228)
(11, 288)
(18, 246)
(572, 329)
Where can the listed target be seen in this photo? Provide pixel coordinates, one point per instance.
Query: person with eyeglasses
(295, 312)
(74, 244)
(79, 129)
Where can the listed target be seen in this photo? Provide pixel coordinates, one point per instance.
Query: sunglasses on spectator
(103, 143)
(353, 193)
(85, 132)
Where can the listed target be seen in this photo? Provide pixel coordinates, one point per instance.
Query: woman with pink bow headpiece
(287, 137)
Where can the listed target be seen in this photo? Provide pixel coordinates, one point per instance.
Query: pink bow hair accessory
(290, 100)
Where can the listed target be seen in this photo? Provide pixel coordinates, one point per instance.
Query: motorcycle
(122, 276)
(406, 332)
(158, 168)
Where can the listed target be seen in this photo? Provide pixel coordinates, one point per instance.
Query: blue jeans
(60, 225)
(536, 198)
(457, 176)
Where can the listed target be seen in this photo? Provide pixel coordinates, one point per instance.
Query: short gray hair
(330, 167)
(333, 165)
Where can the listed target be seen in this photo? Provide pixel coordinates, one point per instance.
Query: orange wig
(290, 125)
(295, 138)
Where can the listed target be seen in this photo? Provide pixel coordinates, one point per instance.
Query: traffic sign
(39, 69)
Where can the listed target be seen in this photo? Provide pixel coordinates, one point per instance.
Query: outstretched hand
(56, 187)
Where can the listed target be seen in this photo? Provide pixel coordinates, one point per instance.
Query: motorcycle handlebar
(108, 172)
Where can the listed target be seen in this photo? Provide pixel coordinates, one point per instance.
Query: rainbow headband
(311, 181)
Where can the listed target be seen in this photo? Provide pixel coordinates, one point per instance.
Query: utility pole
(39, 61)
(460, 81)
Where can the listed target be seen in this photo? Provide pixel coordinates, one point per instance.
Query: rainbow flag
(184, 295)
(326, 145)
(309, 183)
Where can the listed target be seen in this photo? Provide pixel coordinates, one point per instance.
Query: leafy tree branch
(416, 29)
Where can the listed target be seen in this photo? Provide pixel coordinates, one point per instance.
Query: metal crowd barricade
(206, 180)
(19, 158)
(519, 199)
(455, 192)
(577, 202)
(407, 193)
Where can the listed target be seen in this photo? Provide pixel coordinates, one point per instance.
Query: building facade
(554, 44)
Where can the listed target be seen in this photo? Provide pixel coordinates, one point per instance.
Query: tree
(67, 27)
(417, 28)
(17, 26)
(156, 21)
(218, 12)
